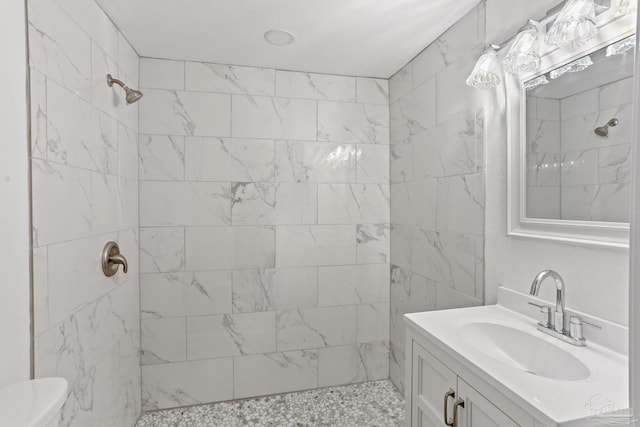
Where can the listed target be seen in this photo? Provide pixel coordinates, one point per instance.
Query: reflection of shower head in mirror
(604, 130)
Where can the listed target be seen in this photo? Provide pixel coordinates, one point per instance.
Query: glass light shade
(628, 6)
(572, 67)
(486, 73)
(575, 25)
(622, 46)
(534, 83)
(523, 55)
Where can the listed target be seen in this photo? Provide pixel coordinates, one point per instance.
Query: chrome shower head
(604, 130)
(131, 95)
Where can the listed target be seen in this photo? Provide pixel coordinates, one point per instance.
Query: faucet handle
(575, 327)
(544, 318)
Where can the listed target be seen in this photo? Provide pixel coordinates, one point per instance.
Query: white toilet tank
(34, 403)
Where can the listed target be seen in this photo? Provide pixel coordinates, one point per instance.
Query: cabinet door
(478, 411)
(431, 380)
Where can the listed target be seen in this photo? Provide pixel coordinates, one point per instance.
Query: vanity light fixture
(486, 72)
(628, 7)
(534, 83)
(523, 54)
(575, 25)
(572, 67)
(622, 46)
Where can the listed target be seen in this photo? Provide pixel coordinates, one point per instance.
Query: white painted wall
(14, 194)
(596, 278)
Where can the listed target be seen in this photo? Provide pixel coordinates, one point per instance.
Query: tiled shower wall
(577, 174)
(264, 241)
(437, 181)
(85, 193)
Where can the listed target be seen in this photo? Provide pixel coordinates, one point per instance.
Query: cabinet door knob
(459, 404)
(447, 395)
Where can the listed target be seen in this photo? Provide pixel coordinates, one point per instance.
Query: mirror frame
(612, 27)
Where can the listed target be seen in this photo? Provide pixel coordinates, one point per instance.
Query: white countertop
(561, 401)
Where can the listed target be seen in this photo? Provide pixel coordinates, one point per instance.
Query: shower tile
(185, 294)
(400, 162)
(453, 97)
(349, 122)
(273, 118)
(275, 373)
(614, 94)
(229, 159)
(315, 162)
(447, 298)
(54, 221)
(605, 202)
(579, 168)
(110, 206)
(219, 78)
(401, 245)
(353, 203)
(548, 109)
(272, 204)
(221, 248)
(162, 249)
(446, 258)
(373, 164)
(373, 322)
(414, 203)
(78, 134)
(58, 48)
(93, 21)
(40, 290)
(614, 164)
(353, 284)
(169, 112)
(579, 104)
(353, 363)
(373, 243)
(447, 149)
(187, 383)
(163, 340)
(231, 335)
(372, 91)
(161, 158)
(162, 74)
(460, 204)
(163, 203)
(414, 113)
(546, 169)
(543, 202)
(107, 99)
(38, 107)
(299, 246)
(401, 83)
(128, 61)
(127, 152)
(292, 84)
(316, 327)
(274, 289)
(544, 136)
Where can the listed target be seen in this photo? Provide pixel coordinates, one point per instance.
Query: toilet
(34, 403)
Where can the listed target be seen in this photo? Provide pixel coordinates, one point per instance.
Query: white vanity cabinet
(433, 387)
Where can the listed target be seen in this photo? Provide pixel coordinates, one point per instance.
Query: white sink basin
(524, 351)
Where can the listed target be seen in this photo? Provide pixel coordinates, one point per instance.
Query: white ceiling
(352, 37)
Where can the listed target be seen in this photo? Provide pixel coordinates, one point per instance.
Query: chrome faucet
(556, 325)
(559, 315)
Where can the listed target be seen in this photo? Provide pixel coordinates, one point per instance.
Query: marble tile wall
(264, 240)
(596, 173)
(85, 193)
(437, 182)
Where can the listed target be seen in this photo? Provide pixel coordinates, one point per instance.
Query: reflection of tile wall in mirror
(572, 172)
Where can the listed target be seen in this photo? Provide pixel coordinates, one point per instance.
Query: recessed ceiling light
(279, 37)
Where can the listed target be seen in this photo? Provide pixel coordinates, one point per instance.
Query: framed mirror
(570, 133)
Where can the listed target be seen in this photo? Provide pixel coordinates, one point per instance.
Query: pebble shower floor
(371, 404)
